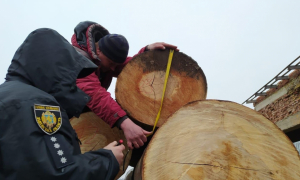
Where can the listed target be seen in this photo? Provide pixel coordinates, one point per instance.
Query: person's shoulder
(13, 92)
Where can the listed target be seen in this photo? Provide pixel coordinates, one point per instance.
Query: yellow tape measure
(164, 90)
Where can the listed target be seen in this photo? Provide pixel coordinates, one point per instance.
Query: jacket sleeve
(100, 164)
(101, 102)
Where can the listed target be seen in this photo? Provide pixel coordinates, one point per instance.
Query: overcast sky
(240, 45)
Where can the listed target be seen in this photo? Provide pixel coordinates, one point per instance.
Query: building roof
(289, 72)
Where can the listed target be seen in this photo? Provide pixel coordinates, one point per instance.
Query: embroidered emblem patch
(48, 118)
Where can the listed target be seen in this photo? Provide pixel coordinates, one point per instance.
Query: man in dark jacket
(109, 52)
(36, 101)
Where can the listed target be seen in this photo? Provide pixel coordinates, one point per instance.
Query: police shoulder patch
(48, 118)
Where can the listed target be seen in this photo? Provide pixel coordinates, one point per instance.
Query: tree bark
(219, 140)
(95, 134)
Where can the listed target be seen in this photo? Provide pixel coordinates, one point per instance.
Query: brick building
(279, 101)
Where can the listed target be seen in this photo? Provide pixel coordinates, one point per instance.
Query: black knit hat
(115, 47)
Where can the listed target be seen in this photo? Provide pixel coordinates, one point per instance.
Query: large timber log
(219, 140)
(95, 134)
(140, 85)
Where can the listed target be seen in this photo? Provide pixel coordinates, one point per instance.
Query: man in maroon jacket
(109, 52)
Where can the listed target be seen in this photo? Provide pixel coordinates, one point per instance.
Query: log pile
(206, 139)
(196, 138)
(139, 89)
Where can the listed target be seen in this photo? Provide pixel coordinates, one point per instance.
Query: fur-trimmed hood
(85, 35)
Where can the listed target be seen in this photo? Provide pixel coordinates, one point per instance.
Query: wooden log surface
(95, 134)
(139, 87)
(219, 140)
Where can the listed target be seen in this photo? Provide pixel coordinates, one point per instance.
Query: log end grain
(140, 85)
(219, 140)
(95, 134)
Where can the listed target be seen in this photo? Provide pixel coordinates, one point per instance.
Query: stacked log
(219, 140)
(95, 134)
(139, 88)
(197, 138)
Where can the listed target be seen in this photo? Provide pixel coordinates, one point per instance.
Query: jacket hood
(85, 35)
(50, 63)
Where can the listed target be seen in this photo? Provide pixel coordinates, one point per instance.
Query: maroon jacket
(96, 84)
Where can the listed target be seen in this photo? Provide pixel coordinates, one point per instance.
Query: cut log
(219, 140)
(139, 87)
(95, 134)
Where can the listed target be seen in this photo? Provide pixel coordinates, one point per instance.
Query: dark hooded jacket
(85, 35)
(33, 144)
